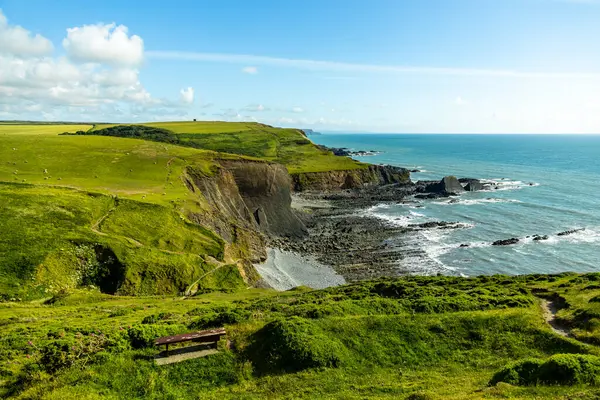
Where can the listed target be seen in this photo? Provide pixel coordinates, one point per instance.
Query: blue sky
(423, 66)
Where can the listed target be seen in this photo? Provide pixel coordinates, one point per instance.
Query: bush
(142, 336)
(64, 353)
(293, 344)
(560, 369)
(218, 319)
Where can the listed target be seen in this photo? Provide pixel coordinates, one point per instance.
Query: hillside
(172, 218)
(409, 338)
(289, 147)
(160, 208)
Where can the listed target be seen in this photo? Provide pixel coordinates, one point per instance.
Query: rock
(572, 231)
(437, 224)
(474, 186)
(537, 238)
(415, 170)
(430, 196)
(448, 185)
(464, 245)
(505, 242)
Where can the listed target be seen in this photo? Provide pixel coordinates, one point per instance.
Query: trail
(189, 288)
(95, 226)
(549, 309)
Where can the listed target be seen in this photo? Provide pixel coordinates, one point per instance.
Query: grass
(286, 146)
(119, 188)
(386, 345)
(55, 189)
(44, 230)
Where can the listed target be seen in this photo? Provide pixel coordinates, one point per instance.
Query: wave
(506, 184)
(586, 235)
(471, 202)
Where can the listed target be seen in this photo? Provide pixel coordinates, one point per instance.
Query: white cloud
(104, 43)
(250, 70)
(255, 108)
(297, 109)
(101, 89)
(187, 95)
(318, 65)
(19, 41)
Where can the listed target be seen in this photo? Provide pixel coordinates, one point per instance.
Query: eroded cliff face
(245, 202)
(336, 180)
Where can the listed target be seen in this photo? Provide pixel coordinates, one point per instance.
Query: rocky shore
(357, 245)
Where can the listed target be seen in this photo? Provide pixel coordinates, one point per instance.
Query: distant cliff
(349, 179)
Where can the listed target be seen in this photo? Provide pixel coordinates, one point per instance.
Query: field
(285, 146)
(411, 338)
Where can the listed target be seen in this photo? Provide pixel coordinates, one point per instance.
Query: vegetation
(88, 220)
(286, 146)
(366, 340)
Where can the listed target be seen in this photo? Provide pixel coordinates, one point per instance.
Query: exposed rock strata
(373, 175)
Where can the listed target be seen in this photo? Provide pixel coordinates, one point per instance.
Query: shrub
(293, 344)
(560, 369)
(153, 319)
(218, 319)
(142, 336)
(64, 353)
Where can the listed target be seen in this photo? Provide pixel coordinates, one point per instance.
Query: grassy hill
(66, 194)
(286, 146)
(62, 193)
(409, 338)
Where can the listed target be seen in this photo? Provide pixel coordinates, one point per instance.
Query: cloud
(104, 43)
(19, 41)
(34, 85)
(255, 108)
(187, 95)
(318, 65)
(297, 109)
(250, 70)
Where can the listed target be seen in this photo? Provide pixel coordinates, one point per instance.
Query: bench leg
(167, 352)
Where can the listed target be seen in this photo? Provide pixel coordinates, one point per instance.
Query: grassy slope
(40, 217)
(286, 146)
(394, 339)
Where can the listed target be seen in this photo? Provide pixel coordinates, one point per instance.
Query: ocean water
(548, 184)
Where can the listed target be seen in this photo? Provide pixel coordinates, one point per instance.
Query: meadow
(285, 146)
(407, 338)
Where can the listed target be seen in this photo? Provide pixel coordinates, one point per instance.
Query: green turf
(286, 146)
(387, 345)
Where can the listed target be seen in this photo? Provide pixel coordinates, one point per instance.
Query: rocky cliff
(372, 175)
(244, 202)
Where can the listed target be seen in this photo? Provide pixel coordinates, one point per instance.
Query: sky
(404, 66)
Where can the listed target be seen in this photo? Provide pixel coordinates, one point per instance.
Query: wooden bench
(207, 336)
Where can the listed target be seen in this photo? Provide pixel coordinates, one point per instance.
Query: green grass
(384, 346)
(286, 146)
(43, 228)
(41, 129)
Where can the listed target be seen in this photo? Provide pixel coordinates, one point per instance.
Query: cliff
(372, 175)
(244, 202)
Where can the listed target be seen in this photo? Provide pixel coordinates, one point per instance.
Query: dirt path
(549, 309)
(96, 225)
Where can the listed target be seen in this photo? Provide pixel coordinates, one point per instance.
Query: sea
(547, 184)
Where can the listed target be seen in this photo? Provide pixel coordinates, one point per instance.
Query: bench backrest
(210, 335)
